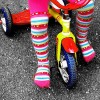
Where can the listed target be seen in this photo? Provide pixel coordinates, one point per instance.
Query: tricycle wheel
(6, 21)
(67, 68)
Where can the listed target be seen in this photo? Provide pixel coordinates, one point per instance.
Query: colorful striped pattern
(39, 31)
(83, 21)
(40, 43)
(89, 6)
(39, 20)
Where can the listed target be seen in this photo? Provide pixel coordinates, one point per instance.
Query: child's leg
(83, 21)
(39, 24)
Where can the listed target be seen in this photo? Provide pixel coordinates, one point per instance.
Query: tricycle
(66, 48)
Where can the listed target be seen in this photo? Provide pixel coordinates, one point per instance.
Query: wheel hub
(63, 70)
(4, 24)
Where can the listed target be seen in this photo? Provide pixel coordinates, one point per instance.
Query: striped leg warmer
(40, 43)
(39, 24)
(83, 21)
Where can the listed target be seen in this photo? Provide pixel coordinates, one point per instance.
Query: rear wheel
(6, 21)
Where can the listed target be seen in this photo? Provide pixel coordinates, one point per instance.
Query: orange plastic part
(69, 45)
(22, 18)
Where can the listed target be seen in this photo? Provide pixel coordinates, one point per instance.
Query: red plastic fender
(69, 45)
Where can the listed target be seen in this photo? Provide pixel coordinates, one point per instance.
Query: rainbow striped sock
(83, 21)
(39, 26)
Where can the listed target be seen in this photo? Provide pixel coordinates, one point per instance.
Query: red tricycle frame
(23, 17)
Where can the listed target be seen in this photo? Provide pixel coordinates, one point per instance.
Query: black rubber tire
(6, 14)
(71, 70)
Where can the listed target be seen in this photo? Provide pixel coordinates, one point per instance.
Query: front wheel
(67, 68)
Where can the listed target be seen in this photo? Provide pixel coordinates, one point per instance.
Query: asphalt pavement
(18, 63)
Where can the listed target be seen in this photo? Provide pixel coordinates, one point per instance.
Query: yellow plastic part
(65, 32)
